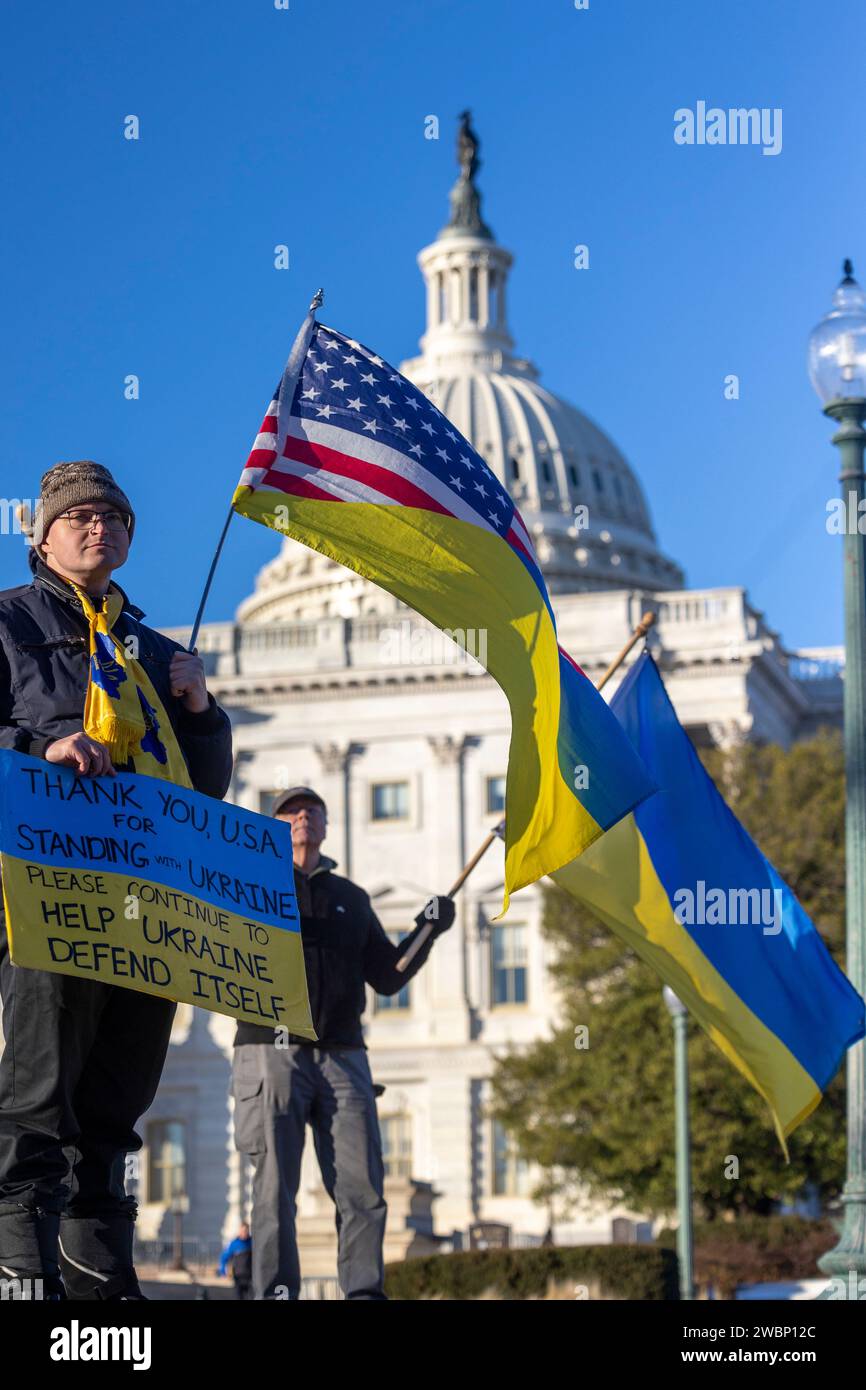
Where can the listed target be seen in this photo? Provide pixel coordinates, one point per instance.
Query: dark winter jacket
(345, 947)
(44, 663)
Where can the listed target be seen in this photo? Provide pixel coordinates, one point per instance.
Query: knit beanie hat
(72, 485)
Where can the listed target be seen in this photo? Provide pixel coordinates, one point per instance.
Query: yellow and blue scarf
(122, 709)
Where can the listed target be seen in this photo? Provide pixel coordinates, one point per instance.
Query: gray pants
(277, 1092)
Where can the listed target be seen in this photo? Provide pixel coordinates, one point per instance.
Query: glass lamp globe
(675, 1006)
(837, 347)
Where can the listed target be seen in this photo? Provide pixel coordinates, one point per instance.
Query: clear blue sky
(306, 127)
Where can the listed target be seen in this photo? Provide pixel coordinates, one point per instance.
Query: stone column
(432, 299)
(448, 752)
(483, 293)
(448, 854)
(454, 307)
(336, 763)
(239, 793)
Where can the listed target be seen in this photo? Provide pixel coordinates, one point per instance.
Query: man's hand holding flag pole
(498, 832)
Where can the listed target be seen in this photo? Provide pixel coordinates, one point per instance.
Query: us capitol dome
(550, 456)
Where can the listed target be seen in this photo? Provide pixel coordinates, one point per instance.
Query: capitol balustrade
(370, 643)
(702, 618)
(700, 626)
(694, 624)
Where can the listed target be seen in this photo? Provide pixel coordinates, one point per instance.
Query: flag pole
(210, 574)
(288, 383)
(496, 833)
(405, 960)
(640, 631)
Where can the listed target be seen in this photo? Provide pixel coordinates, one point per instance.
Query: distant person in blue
(239, 1254)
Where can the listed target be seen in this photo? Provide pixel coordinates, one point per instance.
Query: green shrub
(755, 1250)
(643, 1272)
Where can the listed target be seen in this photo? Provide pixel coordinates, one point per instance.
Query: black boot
(29, 1268)
(96, 1256)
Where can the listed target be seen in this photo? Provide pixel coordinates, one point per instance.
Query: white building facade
(331, 682)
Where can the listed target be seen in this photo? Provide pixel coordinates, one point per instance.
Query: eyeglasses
(85, 521)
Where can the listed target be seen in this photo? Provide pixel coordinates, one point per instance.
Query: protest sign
(140, 883)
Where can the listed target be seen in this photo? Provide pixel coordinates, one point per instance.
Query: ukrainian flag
(683, 883)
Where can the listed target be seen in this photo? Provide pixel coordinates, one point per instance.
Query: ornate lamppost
(837, 367)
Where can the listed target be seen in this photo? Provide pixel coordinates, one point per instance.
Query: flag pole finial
(317, 300)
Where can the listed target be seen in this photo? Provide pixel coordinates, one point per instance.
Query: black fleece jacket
(345, 947)
(44, 664)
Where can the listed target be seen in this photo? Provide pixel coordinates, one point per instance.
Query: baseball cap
(294, 794)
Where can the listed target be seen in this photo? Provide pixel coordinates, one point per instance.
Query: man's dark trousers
(277, 1092)
(81, 1064)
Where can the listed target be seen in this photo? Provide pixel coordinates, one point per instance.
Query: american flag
(434, 526)
(357, 431)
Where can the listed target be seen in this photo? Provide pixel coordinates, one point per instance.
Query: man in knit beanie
(83, 1058)
(70, 485)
